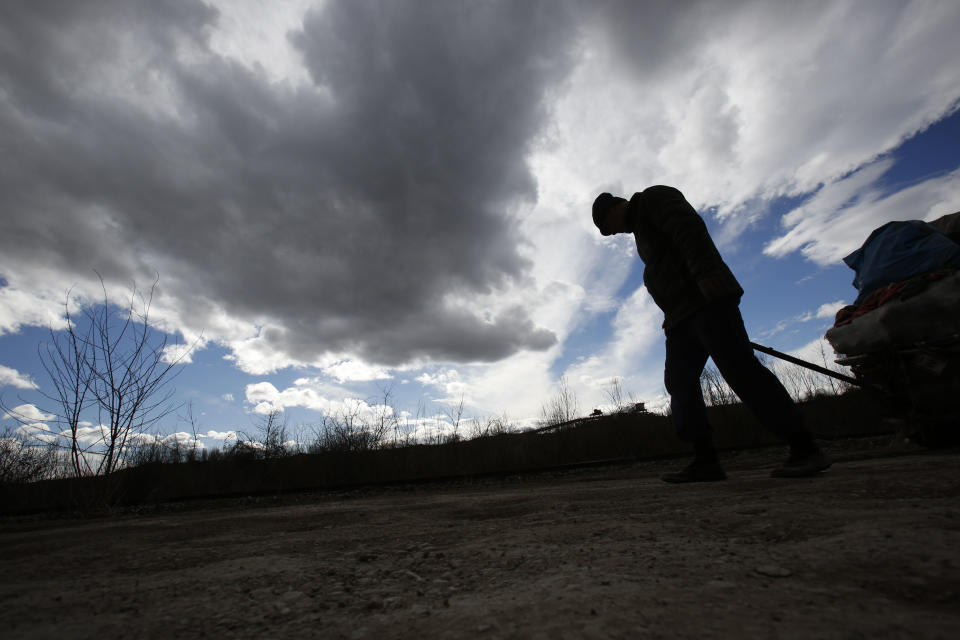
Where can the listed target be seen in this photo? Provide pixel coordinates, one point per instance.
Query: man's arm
(666, 208)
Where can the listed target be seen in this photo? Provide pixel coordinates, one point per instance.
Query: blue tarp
(898, 251)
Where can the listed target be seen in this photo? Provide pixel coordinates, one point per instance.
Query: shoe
(803, 466)
(696, 472)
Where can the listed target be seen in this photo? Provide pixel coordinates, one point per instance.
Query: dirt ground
(869, 549)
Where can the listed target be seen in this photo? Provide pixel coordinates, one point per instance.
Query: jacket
(677, 252)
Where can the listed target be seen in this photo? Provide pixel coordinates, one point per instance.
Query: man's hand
(714, 287)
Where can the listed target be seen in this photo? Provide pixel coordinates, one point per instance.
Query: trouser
(717, 331)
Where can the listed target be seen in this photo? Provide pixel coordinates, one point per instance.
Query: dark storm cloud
(646, 34)
(345, 217)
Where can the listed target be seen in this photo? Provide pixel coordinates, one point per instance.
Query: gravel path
(869, 549)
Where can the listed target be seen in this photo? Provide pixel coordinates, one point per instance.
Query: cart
(901, 337)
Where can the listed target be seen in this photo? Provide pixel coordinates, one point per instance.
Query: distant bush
(800, 382)
(21, 462)
(156, 449)
(495, 447)
(562, 407)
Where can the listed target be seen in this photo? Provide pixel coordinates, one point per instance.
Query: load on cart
(901, 336)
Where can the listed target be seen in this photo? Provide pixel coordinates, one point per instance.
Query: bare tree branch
(115, 366)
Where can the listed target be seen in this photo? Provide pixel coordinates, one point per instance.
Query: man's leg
(720, 328)
(685, 358)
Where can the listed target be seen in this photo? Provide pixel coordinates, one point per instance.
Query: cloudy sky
(345, 196)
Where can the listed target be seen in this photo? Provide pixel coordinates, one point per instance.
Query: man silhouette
(700, 299)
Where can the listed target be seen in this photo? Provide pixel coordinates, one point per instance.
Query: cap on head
(602, 204)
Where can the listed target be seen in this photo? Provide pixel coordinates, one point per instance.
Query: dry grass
(249, 472)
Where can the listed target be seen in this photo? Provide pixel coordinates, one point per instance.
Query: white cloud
(448, 380)
(255, 355)
(312, 394)
(817, 351)
(636, 328)
(180, 439)
(219, 435)
(515, 386)
(38, 431)
(91, 435)
(13, 378)
(828, 310)
(355, 371)
(29, 413)
(771, 98)
(838, 219)
(21, 304)
(227, 397)
(258, 39)
(781, 326)
(179, 353)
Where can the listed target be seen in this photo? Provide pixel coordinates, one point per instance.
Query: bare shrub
(491, 426)
(800, 382)
(272, 435)
(562, 407)
(112, 367)
(454, 414)
(386, 417)
(803, 383)
(241, 448)
(716, 391)
(196, 449)
(149, 450)
(22, 462)
(268, 439)
(353, 429)
(173, 448)
(615, 395)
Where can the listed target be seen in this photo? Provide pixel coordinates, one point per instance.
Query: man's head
(608, 214)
